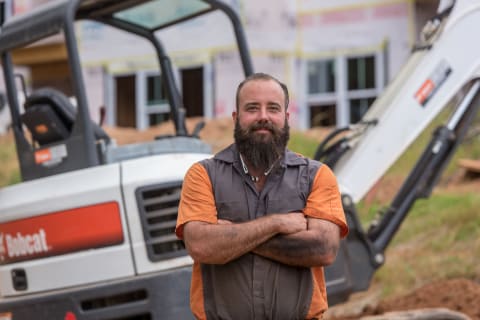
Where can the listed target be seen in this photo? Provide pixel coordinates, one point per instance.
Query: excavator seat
(49, 116)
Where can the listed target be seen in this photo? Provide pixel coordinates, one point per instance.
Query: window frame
(342, 96)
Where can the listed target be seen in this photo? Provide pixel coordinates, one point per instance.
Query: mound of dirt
(218, 133)
(461, 295)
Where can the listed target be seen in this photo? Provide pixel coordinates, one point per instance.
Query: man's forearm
(218, 244)
(304, 249)
(221, 243)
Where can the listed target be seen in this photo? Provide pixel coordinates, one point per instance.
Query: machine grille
(158, 207)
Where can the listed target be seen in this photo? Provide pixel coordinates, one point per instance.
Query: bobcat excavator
(89, 231)
(443, 73)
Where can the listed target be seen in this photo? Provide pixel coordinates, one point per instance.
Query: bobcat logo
(2, 248)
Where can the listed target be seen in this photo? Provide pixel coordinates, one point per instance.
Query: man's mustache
(262, 126)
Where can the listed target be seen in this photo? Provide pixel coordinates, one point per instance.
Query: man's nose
(263, 114)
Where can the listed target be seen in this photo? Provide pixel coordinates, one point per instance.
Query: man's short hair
(262, 76)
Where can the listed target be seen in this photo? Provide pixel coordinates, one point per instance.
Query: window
(361, 86)
(342, 89)
(358, 107)
(156, 93)
(156, 103)
(361, 73)
(157, 118)
(321, 76)
(321, 90)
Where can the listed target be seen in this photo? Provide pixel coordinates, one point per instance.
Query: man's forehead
(265, 85)
(256, 82)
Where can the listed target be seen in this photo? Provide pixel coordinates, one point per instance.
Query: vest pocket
(234, 211)
(284, 205)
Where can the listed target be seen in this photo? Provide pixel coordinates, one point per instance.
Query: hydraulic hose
(319, 153)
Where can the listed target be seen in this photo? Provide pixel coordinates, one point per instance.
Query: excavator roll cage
(57, 129)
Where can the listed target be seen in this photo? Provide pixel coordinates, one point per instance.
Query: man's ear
(287, 115)
(234, 116)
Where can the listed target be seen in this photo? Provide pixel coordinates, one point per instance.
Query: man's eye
(274, 108)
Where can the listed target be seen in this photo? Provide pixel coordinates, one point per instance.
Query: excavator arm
(442, 72)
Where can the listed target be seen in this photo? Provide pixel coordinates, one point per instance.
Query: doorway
(192, 91)
(125, 100)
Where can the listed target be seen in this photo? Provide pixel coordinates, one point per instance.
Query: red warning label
(433, 82)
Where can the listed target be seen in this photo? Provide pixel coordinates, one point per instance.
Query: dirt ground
(460, 295)
(218, 133)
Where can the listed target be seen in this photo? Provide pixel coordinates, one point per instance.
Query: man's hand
(292, 222)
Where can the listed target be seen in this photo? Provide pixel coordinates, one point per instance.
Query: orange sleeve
(324, 201)
(196, 201)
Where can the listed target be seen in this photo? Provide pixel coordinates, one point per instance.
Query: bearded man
(260, 221)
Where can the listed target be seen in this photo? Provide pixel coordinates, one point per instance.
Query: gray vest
(253, 287)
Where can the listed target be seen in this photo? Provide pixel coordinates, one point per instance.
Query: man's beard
(261, 150)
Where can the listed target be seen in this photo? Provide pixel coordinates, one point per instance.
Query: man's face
(261, 124)
(261, 104)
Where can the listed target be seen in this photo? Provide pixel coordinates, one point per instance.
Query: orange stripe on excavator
(61, 232)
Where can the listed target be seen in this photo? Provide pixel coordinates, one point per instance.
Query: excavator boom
(442, 72)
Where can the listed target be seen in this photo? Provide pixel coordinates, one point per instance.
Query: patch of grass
(452, 211)
(440, 239)
(302, 144)
(14, 177)
(469, 148)
(9, 172)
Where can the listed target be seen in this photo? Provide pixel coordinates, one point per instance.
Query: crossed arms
(289, 238)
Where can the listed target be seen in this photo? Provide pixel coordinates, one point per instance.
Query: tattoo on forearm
(292, 248)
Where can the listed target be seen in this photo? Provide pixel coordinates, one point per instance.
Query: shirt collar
(290, 158)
